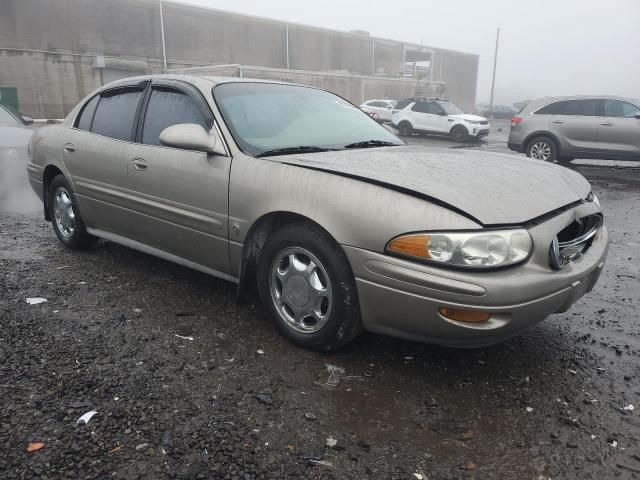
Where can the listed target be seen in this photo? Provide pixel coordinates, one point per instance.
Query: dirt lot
(188, 384)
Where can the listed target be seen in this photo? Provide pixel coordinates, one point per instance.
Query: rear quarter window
(83, 121)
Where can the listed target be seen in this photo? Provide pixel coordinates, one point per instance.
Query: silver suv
(564, 128)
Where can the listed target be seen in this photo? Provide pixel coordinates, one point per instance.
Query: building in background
(56, 52)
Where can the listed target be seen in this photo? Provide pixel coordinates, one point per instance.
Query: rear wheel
(459, 134)
(405, 129)
(542, 148)
(306, 283)
(65, 215)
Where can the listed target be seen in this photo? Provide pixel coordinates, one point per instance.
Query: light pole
(493, 80)
(164, 48)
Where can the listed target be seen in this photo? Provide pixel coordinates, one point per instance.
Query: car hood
(468, 116)
(491, 188)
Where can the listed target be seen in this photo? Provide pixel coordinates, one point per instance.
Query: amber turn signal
(411, 245)
(464, 315)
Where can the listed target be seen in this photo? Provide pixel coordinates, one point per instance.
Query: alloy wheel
(63, 212)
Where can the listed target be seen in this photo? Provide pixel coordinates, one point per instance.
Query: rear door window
(116, 114)
(620, 109)
(583, 108)
(168, 107)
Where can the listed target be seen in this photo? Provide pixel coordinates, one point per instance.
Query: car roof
(547, 100)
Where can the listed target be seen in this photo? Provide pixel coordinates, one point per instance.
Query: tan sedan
(340, 225)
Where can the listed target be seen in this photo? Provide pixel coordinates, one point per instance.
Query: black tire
(343, 322)
(542, 148)
(75, 237)
(405, 129)
(459, 134)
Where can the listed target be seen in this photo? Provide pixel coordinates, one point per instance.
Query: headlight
(473, 122)
(483, 249)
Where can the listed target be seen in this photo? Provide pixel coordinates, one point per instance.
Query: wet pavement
(189, 384)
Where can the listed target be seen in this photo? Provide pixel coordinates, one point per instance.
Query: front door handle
(557, 122)
(139, 164)
(69, 147)
(607, 124)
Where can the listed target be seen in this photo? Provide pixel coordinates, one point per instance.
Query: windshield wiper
(291, 150)
(371, 143)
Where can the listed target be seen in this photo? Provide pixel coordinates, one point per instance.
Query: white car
(441, 118)
(379, 109)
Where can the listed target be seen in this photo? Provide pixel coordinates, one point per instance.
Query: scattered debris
(572, 372)
(331, 442)
(117, 449)
(86, 417)
(614, 443)
(36, 300)
(321, 462)
(310, 416)
(260, 352)
(34, 446)
(418, 475)
(183, 337)
(629, 408)
(529, 409)
(335, 374)
(266, 399)
(142, 446)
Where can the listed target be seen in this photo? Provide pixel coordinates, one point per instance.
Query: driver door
(179, 197)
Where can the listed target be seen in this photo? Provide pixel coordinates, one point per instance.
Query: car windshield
(266, 117)
(6, 117)
(450, 109)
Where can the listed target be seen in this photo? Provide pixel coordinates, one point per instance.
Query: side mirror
(191, 136)
(637, 115)
(26, 120)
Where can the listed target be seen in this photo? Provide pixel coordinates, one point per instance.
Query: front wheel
(306, 283)
(405, 129)
(542, 148)
(459, 134)
(65, 215)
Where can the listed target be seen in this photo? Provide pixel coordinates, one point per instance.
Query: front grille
(573, 240)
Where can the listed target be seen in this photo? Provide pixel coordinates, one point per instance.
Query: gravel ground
(188, 384)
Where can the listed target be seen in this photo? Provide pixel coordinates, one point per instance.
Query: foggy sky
(547, 47)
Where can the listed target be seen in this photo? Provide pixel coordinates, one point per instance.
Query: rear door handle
(558, 122)
(139, 164)
(69, 147)
(607, 124)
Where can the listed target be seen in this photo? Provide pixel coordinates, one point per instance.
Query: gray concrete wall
(35, 35)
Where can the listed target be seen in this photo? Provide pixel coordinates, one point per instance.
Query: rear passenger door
(619, 130)
(575, 124)
(179, 197)
(95, 153)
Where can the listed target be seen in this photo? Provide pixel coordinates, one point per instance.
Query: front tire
(306, 283)
(405, 129)
(459, 134)
(542, 148)
(65, 215)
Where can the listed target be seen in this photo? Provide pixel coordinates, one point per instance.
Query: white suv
(441, 118)
(379, 109)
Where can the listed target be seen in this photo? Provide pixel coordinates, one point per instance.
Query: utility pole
(493, 80)
(164, 48)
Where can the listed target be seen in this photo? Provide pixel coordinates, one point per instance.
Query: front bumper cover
(401, 298)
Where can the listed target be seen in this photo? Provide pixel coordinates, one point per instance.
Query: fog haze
(559, 47)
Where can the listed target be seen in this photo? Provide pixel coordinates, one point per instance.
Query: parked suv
(380, 110)
(564, 128)
(439, 117)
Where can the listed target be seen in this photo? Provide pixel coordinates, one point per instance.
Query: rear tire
(542, 148)
(306, 284)
(459, 134)
(405, 129)
(65, 215)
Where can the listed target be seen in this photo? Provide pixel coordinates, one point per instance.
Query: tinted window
(556, 108)
(616, 108)
(585, 108)
(378, 104)
(420, 107)
(167, 108)
(116, 113)
(86, 115)
(402, 103)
